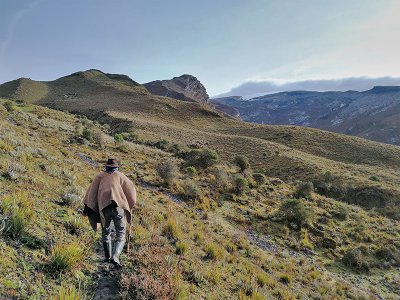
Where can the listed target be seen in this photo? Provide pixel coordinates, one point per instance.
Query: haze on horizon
(233, 47)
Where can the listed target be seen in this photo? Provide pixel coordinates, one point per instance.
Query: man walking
(111, 196)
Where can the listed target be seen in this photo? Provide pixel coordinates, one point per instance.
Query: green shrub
(374, 178)
(201, 158)
(191, 171)
(341, 213)
(88, 134)
(99, 139)
(119, 138)
(356, 259)
(168, 171)
(222, 181)
(304, 190)
(294, 211)
(241, 185)
(242, 162)
(130, 136)
(191, 191)
(163, 145)
(260, 179)
(388, 253)
(64, 257)
(9, 106)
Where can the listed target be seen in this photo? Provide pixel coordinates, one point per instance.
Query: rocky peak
(185, 87)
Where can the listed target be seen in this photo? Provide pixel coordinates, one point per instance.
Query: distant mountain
(185, 87)
(372, 114)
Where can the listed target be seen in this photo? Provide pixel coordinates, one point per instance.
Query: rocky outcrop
(185, 87)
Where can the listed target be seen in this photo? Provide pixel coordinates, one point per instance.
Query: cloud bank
(250, 89)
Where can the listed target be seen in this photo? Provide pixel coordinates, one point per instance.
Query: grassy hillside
(363, 172)
(204, 230)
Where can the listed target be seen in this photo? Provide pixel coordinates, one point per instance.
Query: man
(111, 196)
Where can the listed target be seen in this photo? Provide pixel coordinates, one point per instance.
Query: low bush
(259, 178)
(100, 139)
(304, 190)
(191, 191)
(88, 134)
(222, 180)
(389, 254)
(9, 106)
(168, 172)
(191, 171)
(201, 158)
(341, 213)
(241, 184)
(293, 211)
(119, 138)
(356, 259)
(242, 162)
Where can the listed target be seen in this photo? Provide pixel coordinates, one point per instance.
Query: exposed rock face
(185, 87)
(372, 114)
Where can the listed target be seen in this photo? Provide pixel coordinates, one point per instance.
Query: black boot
(119, 246)
(107, 251)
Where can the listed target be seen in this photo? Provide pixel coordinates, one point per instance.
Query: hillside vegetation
(363, 172)
(210, 225)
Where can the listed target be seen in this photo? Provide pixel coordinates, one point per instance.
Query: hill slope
(372, 114)
(288, 152)
(195, 238)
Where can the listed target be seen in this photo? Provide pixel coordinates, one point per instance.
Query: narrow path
(106, 277)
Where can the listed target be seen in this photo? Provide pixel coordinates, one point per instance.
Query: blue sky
(225, 43)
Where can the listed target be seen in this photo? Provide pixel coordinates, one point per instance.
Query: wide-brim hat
(112, 162)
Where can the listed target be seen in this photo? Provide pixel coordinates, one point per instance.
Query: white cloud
(251, 89)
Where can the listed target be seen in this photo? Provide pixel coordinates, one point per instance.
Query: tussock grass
(17, 211)
(64, 257)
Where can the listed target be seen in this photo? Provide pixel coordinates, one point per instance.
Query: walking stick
(128, 247)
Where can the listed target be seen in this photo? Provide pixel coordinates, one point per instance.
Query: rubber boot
(119, 246)
(107, 251)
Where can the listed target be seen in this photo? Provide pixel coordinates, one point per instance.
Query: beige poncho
(106, 188)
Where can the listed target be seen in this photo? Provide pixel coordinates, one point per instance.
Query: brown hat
(112, 162)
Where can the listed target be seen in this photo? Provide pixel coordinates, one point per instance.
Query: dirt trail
(107, 278)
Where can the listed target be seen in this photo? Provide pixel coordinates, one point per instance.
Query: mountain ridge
(370, 114)
(184, 87)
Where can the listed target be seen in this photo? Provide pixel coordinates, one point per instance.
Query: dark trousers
(117, 215)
